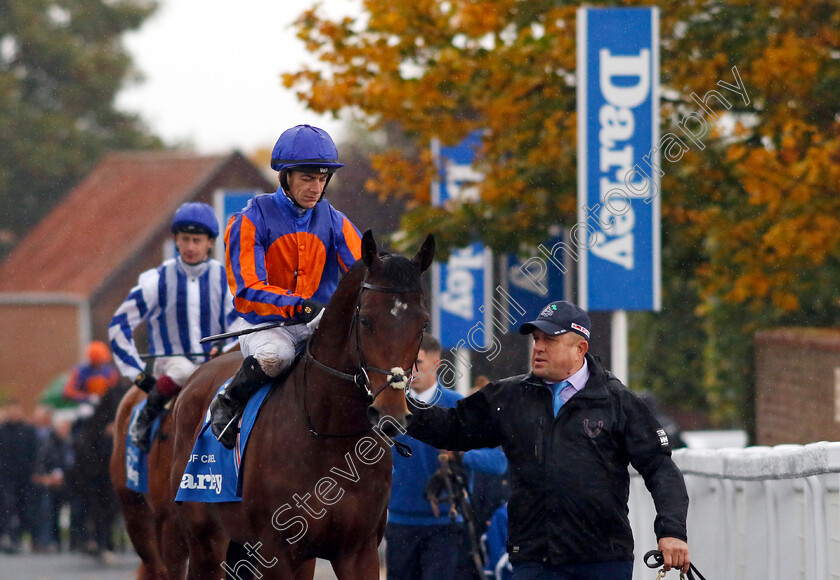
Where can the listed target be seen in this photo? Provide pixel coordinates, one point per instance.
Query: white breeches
(274, 348)
(177, 368)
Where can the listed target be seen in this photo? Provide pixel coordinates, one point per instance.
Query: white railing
(759, 513)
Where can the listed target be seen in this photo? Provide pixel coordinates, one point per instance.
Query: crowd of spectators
(36, 491)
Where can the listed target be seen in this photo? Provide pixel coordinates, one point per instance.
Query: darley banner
(461, 286)
(618, 185)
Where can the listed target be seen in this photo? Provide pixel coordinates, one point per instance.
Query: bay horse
(150, 520)
(317, 468)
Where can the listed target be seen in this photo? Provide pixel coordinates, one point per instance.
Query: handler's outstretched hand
(674, 554)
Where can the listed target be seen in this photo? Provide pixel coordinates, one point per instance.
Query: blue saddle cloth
(212, 473)
(137, 462)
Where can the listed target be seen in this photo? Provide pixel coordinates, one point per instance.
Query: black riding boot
(228, 406)
(141, 429)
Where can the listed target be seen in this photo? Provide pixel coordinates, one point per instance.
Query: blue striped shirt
(180, 304)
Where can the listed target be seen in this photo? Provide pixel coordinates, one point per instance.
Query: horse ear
(369, 253)
(424, 257)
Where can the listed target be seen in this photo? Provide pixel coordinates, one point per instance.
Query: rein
(397, 378)
(659, 560)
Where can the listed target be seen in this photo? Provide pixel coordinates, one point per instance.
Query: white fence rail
(760, 513)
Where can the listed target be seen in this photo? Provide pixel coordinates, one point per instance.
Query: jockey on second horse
(182, 299)
(285, 253)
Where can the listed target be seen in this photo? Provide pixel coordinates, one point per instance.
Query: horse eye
(364, 321)
(426, 326)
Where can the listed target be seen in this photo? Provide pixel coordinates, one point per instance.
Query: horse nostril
(373, 416)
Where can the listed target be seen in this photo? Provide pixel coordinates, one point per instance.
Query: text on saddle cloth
(137, 462)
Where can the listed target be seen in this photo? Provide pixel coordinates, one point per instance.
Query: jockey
(285, 253)
(90, 381)
(183, 299)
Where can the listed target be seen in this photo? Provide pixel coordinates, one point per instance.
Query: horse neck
(335, 405)
(331, 341)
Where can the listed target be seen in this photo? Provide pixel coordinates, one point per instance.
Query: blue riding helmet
(195, 217)
(305, 148)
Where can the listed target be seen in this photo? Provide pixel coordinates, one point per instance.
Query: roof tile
(122, 203)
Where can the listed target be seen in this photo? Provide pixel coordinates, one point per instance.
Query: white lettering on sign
(460, 183)
(638, 67)
(522, 276)
(616, 216)
(457, 298)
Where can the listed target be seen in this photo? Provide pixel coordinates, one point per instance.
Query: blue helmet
(195, 217)
(305, 148)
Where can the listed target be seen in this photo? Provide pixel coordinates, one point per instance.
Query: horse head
(392, 318)
(377, 316)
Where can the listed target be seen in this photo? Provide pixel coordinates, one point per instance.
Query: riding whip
(145, 356)
(245, 331)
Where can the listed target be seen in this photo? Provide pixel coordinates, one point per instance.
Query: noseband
(397, 377)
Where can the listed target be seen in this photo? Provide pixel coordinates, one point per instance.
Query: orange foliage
(756, 209)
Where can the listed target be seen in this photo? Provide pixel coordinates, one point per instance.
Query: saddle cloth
(137, 462)
(212, 474)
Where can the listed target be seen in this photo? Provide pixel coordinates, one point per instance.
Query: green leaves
(61, 65)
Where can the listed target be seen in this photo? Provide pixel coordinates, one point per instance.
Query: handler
(284, 254)
(569, 429)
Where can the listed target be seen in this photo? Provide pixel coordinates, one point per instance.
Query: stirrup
(230, 424)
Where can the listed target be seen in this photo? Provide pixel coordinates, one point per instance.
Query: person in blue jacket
(421, 545)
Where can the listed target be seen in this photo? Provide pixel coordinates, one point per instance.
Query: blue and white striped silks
(180, 304)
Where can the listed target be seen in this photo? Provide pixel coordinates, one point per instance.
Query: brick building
(797, 385)
(62, 283)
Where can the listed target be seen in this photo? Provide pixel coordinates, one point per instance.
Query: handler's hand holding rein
(672, 553)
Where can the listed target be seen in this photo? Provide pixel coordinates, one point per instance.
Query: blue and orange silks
(277, 255)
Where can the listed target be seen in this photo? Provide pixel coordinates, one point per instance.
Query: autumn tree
(61, 65)
(750, 222)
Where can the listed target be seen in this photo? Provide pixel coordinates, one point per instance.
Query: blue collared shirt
(574, 384)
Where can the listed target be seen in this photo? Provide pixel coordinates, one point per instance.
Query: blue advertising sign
(618, 175)
(226, 203)
(534, 281)
(461, 309)
(461, 312)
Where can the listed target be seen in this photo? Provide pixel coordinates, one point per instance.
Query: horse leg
(305, 571)
(173, 549)
(139, 524)
(282, 569)
(207, 553)
(362, 564)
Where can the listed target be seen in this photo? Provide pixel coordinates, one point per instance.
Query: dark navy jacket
(569, 474)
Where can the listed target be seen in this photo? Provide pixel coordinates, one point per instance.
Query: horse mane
(398, 270)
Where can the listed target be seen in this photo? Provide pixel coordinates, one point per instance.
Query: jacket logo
(663, 437)
(592, 430)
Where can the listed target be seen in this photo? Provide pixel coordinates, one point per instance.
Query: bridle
(398, 378)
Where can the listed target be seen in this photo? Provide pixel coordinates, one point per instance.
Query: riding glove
(145, 382)
(311, 309)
